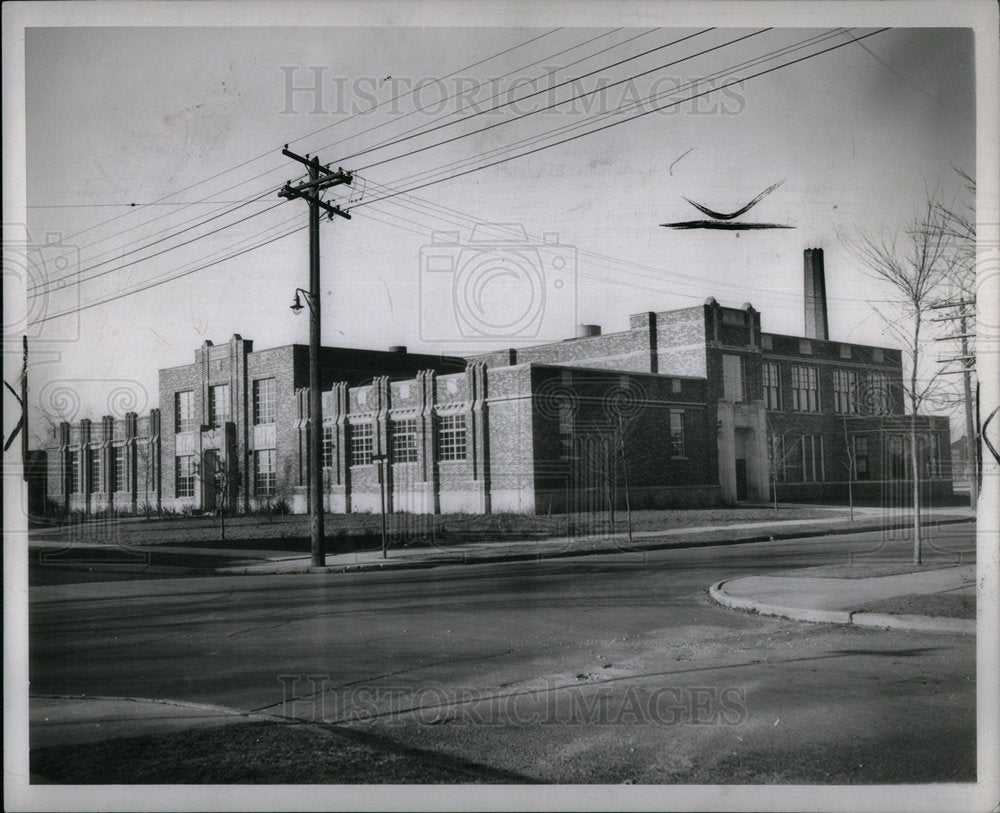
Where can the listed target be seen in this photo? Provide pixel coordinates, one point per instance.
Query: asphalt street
(592, 669)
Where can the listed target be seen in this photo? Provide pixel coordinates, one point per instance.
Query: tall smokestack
(815, 295)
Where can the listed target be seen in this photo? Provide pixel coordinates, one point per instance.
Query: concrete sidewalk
(866, 520)
(835, 600)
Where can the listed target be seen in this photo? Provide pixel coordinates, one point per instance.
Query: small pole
(381, 459)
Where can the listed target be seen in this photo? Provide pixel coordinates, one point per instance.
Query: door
(741, 480)
(209, 471)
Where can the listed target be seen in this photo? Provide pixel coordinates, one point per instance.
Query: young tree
(913, 265)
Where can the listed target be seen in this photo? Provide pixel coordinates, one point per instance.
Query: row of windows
(849, 397)
(220, 405)
(804, 461)
(119, 471)
(451, 441)
(567, 434)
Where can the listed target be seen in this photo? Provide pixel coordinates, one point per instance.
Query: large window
(875, 397)
(776, 457)
(184, 476)
(95, 470)
(676, 433)
(120, 483)
(219, 406)
(805, 389)
(567, 431)
(812, 458)
(451, 437)
(362, 444)
(845, 392)
(733, 378)
(772, 385)
(862, 470)
(263, 400)
(184, 411)
(896, 453)
(328, 446)
(404, 441)
(265, 478)
(73, 464)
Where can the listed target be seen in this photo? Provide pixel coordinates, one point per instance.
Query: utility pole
(968, 362)
(320, 177)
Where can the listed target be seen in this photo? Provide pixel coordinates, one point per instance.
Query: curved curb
(793, 613)
(913, 623)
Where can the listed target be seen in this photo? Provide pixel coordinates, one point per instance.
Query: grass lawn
(361, 531)
(251, 753)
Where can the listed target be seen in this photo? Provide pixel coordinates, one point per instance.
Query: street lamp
(296, 305)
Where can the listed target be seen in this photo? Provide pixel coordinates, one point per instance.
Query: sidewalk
(866, 520)
(836, 600)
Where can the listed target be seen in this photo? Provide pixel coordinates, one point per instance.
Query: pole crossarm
(292, 192)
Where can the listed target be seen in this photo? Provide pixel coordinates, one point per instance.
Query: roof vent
(587, 331)
(397, 348)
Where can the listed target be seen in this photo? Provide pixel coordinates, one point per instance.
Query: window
(897, 458)
(263, 400)
(73, 471)
(776, 457)
(451, 438)
(805, 389)
(120, 483)
(812, 459)
(733, 378)
(677, 434)
(95, 470)
(219, 407)
(184, 411)
(184, 476)
(875, 397)
(264, 479)
(328, 447)
(362, 444)
(404, 441)
(567, 431)
(861, 470)
(845, 392)
(772, 385)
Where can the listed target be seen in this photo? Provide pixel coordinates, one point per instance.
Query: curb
(472, 559)
(914, 623)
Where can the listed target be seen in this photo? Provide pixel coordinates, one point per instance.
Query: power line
(623, 108)
(633, 118)
(548, 90)
(314, 132)
(155, 254)
(130, 292)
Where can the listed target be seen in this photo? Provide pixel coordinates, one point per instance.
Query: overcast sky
(169, 117)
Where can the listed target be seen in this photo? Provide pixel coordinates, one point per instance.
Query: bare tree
(914, 264)
(781, 448)
(147, 458)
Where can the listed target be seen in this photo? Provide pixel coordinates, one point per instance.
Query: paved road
(593, 669)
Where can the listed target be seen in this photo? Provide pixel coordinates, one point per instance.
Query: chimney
(815, 295)
(398, 348)
(587, 331)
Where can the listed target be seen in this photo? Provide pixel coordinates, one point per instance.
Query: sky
(188, 122)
